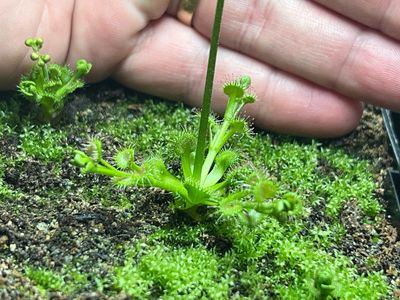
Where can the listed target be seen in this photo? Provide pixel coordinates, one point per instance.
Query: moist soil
(52, 234)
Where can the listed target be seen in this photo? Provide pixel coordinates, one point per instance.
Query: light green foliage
(149, 134)
(46, 280)
(294, 267)
(271, 260)
(66, 281)
(353, 180)
(209, 187)
(44, 142)
(322, 175)
(167, 273)
(315, 273)
(6, 192)
(48, 84)
(5, 128)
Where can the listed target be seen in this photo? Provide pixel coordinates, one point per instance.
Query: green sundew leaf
(264, 190)
(80, 159)
(125, 158)
(251, 217)
(249, 98)
(82, 67)
(197, 196)
(293, 201)
(231, 204)
(237, 126)
(218, 188)
(185, 142)
(156, 168)
(230, 209)
(89, 167)
(94, 149)
(185, 146)
(281, 206)
(68, 88)
(233, 89)
(27, 88)
(133, 180)
(56, 72)
(323, 283)
(245, 81)
(160, 177)
(287, 206)
(222, 162)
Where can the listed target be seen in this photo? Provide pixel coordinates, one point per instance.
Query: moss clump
(174, 273)
(44, 143)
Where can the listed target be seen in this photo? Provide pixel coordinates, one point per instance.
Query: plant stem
(205, 112)
(215, 146)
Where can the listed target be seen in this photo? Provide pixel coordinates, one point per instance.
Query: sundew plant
(48, 84)
(205, 160)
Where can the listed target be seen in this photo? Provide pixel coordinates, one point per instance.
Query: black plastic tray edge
(390, 128)
(393, 209)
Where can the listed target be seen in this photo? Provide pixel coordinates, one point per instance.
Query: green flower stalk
(47, 84)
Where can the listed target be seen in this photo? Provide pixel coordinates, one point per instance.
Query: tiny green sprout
(48, 84)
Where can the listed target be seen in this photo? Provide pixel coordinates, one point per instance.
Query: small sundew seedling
(205, 160)
(48, 84)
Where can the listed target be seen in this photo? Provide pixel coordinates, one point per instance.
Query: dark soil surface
(369, 141)
(75, 229)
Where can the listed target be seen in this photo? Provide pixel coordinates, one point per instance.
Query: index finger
(382, 15)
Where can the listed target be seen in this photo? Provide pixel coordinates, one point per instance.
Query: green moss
(67, 281)
(352, 180)
(9, 114)
(5, 128)
(270, 261)
(149, 133)
(168, 273)
(319, 174)
(6, 192)
(221, 259)
(46, 280)
(44, 143)
(289, 262)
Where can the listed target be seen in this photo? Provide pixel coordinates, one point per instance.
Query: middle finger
(305, 39)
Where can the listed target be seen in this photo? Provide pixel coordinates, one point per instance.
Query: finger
(170, 61)
(24, 19)
(104, 31)
(382, 15)
(305, 39)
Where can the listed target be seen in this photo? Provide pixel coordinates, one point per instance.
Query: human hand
(311, 62)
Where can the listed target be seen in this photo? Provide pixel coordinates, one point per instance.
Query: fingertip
(351, 116)
(328, 117)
